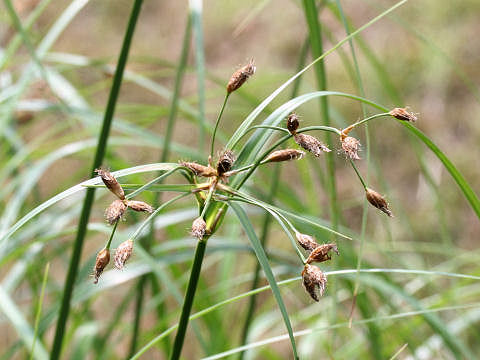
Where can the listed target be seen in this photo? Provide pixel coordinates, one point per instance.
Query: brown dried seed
(350, 146)
(225, 162)
(307, 242)
(378, 201)
(199, 227)
(200, 170)
(103, 258)
(122, 253)
(285, 155)
(139, 206)
(314, 281)
(111, 183)
(311, 144)
(320, 254)
(292, 123)
(403, 114)
(115, 211)
(240, 76)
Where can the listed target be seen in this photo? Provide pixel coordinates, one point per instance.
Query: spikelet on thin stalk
(285, 155)
(292, 123)
(200, 170)
(378, 201)
(139, 206)
(123, 253)
(306, 241)
(115, 211)
(103, 258)
(320, 253)
(403, 114)
(350, 147)
(314, 281)
(311, 144)
(111, 183)
(240, 76)
(199, 228)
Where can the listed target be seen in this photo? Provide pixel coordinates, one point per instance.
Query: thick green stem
(189, 296)
(88, 202)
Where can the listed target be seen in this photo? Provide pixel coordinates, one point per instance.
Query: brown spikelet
(115, 211)
(200, 170)
(122, 253)
(292, 123)
(199, 227)
(111, 183)
(240, 76)
(307, 242)
(311, 144)
(139, 206)
(314, 281)
(320, 254)
(403, 114)
(378, 201)
(103, 258)
(285, 155)
(350, 147)
(225, 162)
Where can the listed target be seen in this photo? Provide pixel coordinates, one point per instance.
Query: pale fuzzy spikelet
(199, 227)
(139, 206)
(240, 76)
(306, 241)
(378, 201)
(320, 253)
(123, 253)
(314, 281)
(311, 144)
(285, 155)
(103, 258)
(350, 147)
(115, 211)
(111, 183)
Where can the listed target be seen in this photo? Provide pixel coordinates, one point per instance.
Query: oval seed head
(225, 162)
(115, 211)
(378, 201)
(403, 114)
(111, 183)
(123, 253)
(240, 76)
(320, 254)
(200, 170)
(311, 144)
(314, 281)
(307, 242)
(103, 258)
(139, 206)
(350, 147)
(199, 227)
(292, 123)
(285, 155)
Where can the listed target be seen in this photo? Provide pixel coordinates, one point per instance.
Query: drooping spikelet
(139, 206)
(123, 253)
(103, 258)
(115, 211)
(378, 201)
(292, 123)
(403, 114)
(350, 147)
(240, 76)
(311, 144)
(199, 227)
(111, 183)
(285, 155)
(314, 281)
(306, 241)
(200, 170)
(320, 253)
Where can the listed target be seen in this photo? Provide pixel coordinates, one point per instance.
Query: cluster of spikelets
(314, 280)
(113, 214)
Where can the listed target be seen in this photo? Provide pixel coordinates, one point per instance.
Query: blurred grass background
(424, 55)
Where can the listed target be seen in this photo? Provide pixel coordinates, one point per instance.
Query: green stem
(218, 122)
(188, 301)
(88, 202)
(358, 174)
(369, 118)
(109, 242)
